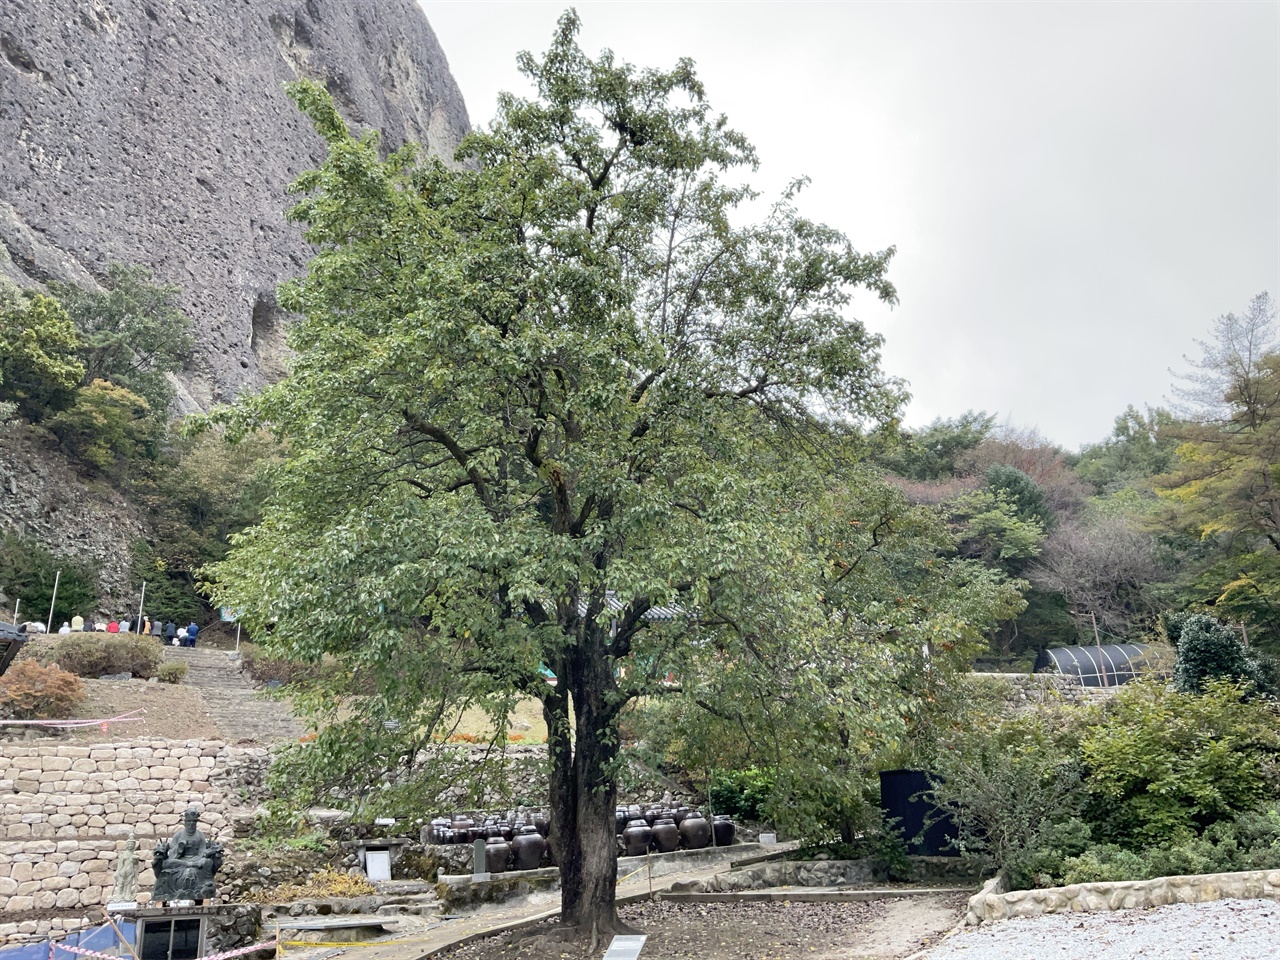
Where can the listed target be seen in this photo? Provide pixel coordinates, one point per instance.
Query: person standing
(113, 626)
(192, 630)
(170, 632)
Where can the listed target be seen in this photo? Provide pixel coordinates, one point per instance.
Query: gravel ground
(1221, 930)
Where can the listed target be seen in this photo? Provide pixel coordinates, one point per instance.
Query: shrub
(1161, 765)
(1208, 649)
(741, 793)
(30, 691)
(1008, 788)
(97, 654)
(172, 671)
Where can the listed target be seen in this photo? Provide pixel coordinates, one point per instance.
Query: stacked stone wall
(66, 811)
(992, 903)
(1023, 691)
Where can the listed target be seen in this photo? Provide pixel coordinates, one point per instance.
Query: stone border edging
(992, 903)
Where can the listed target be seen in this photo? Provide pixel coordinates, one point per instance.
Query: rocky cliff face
(157, 132)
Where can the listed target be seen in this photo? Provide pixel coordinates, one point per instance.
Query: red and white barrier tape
(81, 951)
(123, 718)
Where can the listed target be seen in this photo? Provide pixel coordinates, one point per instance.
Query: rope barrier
(123, 718)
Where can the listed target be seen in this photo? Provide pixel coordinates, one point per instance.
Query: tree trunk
(583, 792)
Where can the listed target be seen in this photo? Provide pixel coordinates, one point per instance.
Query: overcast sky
(1075, 190)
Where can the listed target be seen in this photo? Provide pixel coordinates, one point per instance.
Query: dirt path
(906, 926)
(870, 930)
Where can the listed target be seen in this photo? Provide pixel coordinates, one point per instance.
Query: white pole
(16, 604)
(48, 627)
(137, 627)
(237, 636)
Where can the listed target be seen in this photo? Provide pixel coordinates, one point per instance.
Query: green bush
(1249, 842)
(1207, 649)
(1009, 789)
(1161, 765)
(741, 793)
(172, 671)
(97, 654)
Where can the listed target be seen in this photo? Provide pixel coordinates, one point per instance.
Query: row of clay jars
(464, 829)
(624, 815)
(693, 833)
(524, 852)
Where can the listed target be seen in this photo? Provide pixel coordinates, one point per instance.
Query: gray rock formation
(157, 132)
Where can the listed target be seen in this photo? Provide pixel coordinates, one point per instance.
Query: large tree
(541, 395)
(1225, 483)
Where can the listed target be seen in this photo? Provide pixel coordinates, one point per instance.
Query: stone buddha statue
(185, 865)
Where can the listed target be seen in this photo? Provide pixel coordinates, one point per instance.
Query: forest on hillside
(1176, 510)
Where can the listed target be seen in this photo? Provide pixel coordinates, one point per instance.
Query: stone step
(235, 706)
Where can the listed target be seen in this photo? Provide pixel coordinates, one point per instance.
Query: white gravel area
(1220, 930)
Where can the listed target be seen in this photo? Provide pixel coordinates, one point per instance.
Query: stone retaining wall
(991, 903)
(67, 809)
(1028, 690)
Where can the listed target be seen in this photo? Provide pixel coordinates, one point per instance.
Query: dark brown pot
(724, 830)
(695, 832)
(542, 823)
(496, 851)
(666, 835)
(636, 838)
(527, 849)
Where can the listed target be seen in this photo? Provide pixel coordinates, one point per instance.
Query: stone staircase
(238, 710)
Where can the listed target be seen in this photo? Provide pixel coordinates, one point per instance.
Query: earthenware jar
(724, 830)
(620, 820)
(508, 834)
(496, 851)
(634, 812)
(462, 828)
(636, 837)
(651, 816)
(543, 825)
(666, 835)
(681, 812)
(695, 832)
(527, 849)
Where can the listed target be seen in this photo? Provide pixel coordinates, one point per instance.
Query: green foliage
(933, 453)
(1209, 650)
(99, 654)
(171, 590)
(1138, 449)
(132, 333)
(172, 671)
(107, 425)
(1221, 490)
(989, 528)
(1162, 764)
(39, 370)
(741, 793)
(30, 691)
(1025, 495)
(1249, 842)
(1010, 790)
(28, 572)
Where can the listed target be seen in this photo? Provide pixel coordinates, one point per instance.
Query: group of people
(170, 632)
